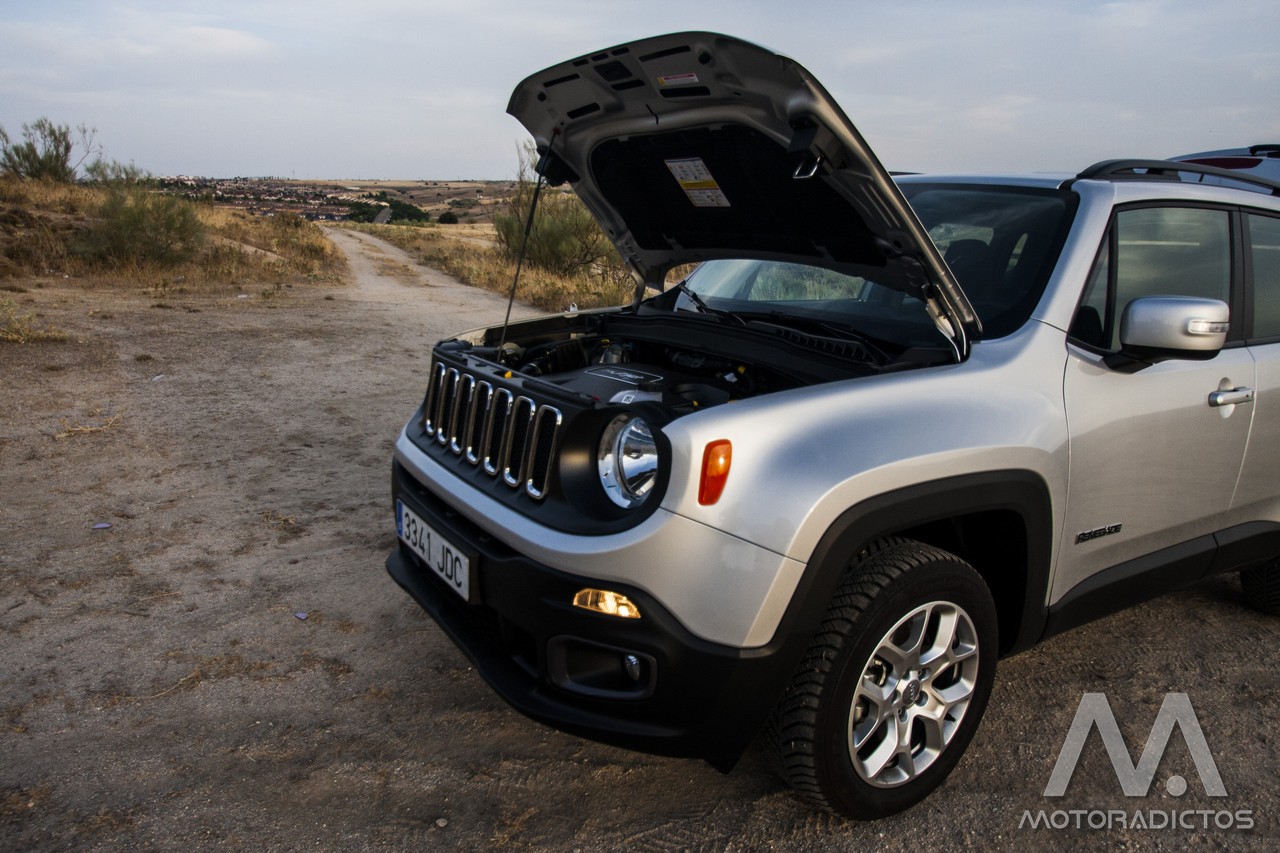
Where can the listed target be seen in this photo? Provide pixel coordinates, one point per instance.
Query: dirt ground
(202, 650)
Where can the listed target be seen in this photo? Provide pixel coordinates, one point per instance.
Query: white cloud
(1002, 114)
(216, 42)
(412, 87)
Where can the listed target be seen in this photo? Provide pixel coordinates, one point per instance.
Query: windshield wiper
(811, 327)
(703, 307)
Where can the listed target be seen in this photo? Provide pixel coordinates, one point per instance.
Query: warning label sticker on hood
(695, 179)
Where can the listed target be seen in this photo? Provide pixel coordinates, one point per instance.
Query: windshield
(1000, 242)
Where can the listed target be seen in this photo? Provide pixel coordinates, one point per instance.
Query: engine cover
(635, 383)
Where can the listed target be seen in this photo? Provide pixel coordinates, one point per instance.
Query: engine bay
(680, 361)
(628, 371)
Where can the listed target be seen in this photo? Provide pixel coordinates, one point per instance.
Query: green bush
(362, 211)
(448, 218)
(565, 238)
(136, 225)
(45, 151)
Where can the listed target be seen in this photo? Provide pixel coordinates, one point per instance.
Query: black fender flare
(1021, 492)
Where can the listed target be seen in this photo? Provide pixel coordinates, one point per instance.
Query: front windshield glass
(1000, 242)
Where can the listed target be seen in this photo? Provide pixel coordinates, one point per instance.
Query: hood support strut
(540, 168)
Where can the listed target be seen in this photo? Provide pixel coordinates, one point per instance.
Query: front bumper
(567, 667)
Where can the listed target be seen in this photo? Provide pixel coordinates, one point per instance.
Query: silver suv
(887, 432)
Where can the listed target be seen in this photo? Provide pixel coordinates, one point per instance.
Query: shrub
(565, 239)
(448, 218)
(136, 225)
(45, 151)
(362, 211)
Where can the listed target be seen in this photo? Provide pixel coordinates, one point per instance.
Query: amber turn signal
(715, 471)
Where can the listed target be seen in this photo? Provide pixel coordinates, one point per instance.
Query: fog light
(606, 602)
(631, 664)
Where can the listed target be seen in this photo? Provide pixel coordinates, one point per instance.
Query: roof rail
(1168, 170)
(1265, 150)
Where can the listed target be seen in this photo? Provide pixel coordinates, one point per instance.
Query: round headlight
(628, 460)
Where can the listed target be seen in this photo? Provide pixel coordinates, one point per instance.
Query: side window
(1264, 232)
(1092, 317)
(1154, 251)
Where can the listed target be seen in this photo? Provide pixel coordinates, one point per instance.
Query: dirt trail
(201, 649)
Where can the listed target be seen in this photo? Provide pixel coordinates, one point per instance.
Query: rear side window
(1264, 232)
(1155, 251)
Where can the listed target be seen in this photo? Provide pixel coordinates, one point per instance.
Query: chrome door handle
(1232, 397)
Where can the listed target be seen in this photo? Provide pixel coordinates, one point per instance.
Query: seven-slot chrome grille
(508, 435)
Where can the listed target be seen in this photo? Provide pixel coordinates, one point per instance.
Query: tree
(363, 211)
(565, 238)
(46, 151)
(448, 218)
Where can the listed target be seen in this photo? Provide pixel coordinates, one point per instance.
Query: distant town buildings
(331, 201)
(263, 196)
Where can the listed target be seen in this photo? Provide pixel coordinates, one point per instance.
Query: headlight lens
(628, 460)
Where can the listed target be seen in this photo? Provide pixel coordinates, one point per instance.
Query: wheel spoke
(906, 651)
(878, 704)
(952, 695)
(944, 638)
(880, 757)
(905, 656)
(933, 720)
(962, 651)
(875, 692)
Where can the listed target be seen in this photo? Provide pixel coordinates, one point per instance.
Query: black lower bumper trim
(704, 700)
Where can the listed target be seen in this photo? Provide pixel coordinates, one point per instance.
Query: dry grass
(41, 224)
(204, 669)
(188, 681)
(286, 239)
(287, 526)
(473, 259)
(20, 328)
(68, 429)
(47, 195)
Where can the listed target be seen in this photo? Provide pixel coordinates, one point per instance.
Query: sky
(417, 89)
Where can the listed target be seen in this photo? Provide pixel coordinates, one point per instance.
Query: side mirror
(1159, 328)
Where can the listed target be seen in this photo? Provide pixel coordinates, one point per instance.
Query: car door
(1260, 476)
(1154, 460)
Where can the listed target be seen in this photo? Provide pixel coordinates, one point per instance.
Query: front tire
(893, 684)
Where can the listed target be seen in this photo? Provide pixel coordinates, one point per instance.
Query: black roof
(1171, 170)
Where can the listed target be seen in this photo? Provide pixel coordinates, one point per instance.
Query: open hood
(694, 146)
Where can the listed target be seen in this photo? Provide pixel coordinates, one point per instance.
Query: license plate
(441, 556)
